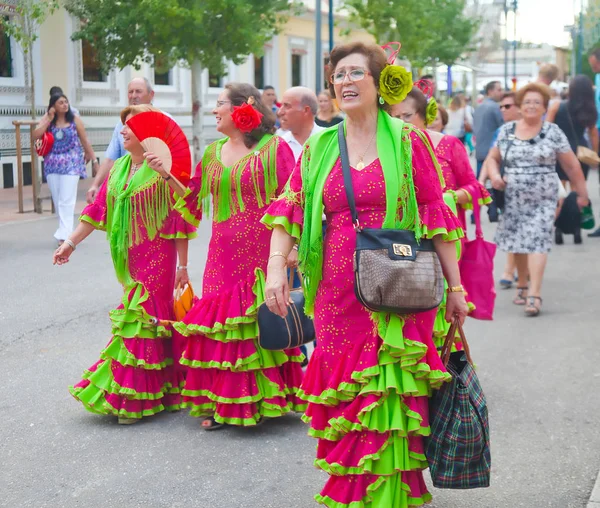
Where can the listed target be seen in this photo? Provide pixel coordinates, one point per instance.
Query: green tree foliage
(203, 34)
(129, 32)
(24, 26)
(431, 31)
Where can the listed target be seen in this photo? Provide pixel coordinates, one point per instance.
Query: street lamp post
(330, 25)
(318, 47)
(506, 44)
(515, 44)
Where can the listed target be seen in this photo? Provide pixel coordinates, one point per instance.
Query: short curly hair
(533, 88)
(376, 58)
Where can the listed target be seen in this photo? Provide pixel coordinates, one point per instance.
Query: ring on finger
(272, 298)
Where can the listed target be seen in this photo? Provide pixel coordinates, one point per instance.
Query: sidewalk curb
(594, 501)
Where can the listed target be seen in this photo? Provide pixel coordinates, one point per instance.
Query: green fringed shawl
(395, 154)
(146, 201)
(224, 183)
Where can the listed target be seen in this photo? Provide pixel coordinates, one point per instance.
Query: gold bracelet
(455, 289)
(277, 253)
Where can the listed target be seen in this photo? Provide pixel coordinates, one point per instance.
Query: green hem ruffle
(292, 229)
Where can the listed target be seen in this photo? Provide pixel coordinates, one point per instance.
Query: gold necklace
(361, 163)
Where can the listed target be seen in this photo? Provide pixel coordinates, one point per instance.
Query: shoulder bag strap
(347, 174)
(575, 136)
(511, 140)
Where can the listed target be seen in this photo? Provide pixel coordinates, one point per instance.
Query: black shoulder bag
(392, 272)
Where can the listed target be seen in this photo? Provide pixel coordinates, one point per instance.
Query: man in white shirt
(297, 113)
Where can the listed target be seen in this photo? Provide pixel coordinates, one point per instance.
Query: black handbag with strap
(276, 333)
(392, 271)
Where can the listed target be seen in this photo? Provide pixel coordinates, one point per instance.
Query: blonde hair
(548, 71)
(136, 110)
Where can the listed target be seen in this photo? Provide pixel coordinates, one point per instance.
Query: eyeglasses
(506, 106)
(358, 74)
(222, 103)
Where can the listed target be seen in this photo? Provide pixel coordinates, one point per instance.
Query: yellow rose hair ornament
(428, 88)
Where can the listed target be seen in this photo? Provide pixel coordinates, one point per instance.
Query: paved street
(541, 377)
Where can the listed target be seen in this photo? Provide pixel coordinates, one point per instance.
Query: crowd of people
(277, 187)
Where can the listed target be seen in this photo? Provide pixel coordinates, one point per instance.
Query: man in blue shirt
(139, 91)
(594, 60)
(486, 121)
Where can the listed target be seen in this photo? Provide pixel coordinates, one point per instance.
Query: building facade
(289, 59)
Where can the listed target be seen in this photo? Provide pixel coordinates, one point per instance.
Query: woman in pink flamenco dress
(136, 375)
(230, 379)
(370, 377)
(461, 185)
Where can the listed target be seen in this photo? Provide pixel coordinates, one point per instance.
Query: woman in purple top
(65, 164)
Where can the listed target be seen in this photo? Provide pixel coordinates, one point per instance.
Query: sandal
(127, 421)
(520, 299)
(533, 310)
(211, 424)
(506, 283)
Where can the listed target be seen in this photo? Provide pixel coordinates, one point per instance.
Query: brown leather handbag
(392, 271)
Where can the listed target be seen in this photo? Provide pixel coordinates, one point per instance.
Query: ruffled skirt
(371, 415)
(136, 375)
(229, 376)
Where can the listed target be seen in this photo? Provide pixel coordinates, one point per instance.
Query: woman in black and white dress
(531, 148)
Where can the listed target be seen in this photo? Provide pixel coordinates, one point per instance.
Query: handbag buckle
(401, 249)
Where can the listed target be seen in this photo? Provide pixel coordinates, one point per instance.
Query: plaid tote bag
(458, 449)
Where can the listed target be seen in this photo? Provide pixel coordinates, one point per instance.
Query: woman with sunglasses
(230, 379)
(529, 149)
(370, 376)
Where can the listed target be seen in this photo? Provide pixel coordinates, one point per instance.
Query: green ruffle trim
(261, 359)
(384, 492)
(448, 236)
(118, 351)
(481, 201)
(393, 457)
(180, 236)
(98, 225)
(238, 328)
(292, 229)
(181, 207)
(132, 321)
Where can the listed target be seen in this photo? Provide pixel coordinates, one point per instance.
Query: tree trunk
(197, 114)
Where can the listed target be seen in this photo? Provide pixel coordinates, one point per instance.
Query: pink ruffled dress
(136, 375)
(458, 174)
(229, 377)
(368, 388)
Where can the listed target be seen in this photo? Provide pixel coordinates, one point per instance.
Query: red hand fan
(161, 135)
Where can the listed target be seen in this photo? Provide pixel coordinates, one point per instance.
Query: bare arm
(62, 254)
(456, 304)
(87, 147)
(182, 278)
(594, 138)
(484, 173)
(572, 168)
(42, 126)
(494, 160)
(277, 281)
(552, 110)
(156, 164)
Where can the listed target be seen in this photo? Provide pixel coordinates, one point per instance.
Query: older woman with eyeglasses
(529, 149)
(370, 376)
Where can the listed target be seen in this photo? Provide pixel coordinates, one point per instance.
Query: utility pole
(318, 47)
(506, 44)
(515, 2)
(330, 26)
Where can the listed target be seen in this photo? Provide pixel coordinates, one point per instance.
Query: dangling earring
(381, 101)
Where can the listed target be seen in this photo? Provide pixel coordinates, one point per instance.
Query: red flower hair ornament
(245, 117)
